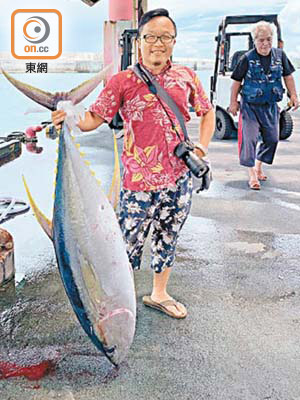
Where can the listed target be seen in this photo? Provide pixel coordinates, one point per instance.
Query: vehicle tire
(285, 125)
(224, 127)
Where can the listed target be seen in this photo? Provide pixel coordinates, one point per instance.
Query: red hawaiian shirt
(149, 139)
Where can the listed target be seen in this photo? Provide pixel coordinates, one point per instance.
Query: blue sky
(197, 22)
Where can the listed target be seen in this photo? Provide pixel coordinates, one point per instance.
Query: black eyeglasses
(154, 38)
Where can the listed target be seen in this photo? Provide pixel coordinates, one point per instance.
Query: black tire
(224, 128)
(285, 125)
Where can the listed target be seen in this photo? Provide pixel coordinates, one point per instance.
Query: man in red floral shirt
(157, 185)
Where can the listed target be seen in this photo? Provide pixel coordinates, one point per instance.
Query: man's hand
(199, 152)
(234, 107)
(90, 122)
(291, 88)
(234, 104)
(203, 183)
(58, 117)
(294, 102)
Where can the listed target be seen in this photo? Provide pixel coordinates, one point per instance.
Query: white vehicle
(227, 57)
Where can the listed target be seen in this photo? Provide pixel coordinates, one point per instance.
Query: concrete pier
(237, 272)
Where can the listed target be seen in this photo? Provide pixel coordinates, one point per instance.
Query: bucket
(7, 264)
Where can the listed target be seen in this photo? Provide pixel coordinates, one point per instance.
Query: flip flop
(254, 185)
(163, 306)
(261, 176)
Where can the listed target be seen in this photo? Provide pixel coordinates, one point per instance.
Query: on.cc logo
(36, 34)
(40, 28)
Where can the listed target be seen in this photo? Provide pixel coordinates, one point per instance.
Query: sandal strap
(167, 303)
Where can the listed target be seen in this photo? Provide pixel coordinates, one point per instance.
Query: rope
(13, 207)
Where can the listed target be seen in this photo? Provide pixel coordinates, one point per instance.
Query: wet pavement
(237, 271)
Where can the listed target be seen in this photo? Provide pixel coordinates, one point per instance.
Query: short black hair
(157, 12)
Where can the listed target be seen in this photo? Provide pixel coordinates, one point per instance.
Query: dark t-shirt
(241, 69)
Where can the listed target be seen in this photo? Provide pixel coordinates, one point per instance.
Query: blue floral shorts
(166, 210)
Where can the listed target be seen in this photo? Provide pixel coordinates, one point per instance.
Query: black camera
(184, 151)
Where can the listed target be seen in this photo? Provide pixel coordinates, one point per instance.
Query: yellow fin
(114, 191)
(44, 222)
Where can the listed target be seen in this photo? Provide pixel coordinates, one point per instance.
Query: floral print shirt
(149, 139)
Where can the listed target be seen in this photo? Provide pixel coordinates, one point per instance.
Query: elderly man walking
(157, 185)
(261, 71)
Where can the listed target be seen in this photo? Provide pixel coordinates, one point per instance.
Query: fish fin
(90, 2)
(114, 191)
(50, 100)
(44, 222)
(46, 99)
(77, 94)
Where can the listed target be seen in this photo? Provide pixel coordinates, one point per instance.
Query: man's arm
(90, 122)
(234, 105)
(291, 87)
(207, 128)
(238, 75)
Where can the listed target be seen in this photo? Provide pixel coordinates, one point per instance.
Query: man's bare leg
(253, 180)
(258, 167)
(159, 291)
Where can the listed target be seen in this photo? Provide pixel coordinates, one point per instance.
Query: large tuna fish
(91, 254)
(90, 250)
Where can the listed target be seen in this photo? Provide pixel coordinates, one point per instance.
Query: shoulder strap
(160, 93)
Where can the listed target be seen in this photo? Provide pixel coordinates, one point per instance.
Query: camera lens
(195, 164)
